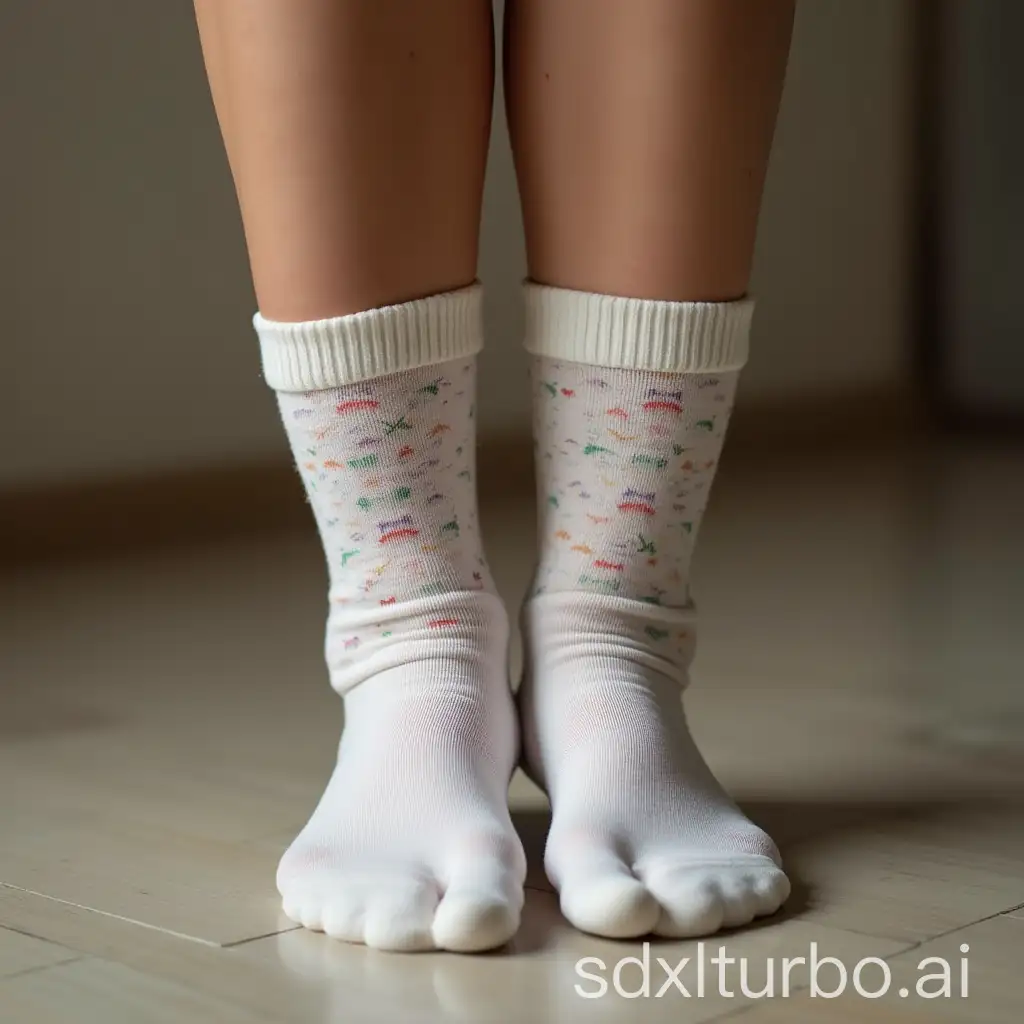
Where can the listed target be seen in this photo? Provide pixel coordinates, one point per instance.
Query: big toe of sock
(483, 896)
(471, 919)
(598, 892)
(699, 897)
(609, 903)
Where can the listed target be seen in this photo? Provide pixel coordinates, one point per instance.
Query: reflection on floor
(165, 727)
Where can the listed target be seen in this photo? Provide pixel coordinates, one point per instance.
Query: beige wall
(126, 343)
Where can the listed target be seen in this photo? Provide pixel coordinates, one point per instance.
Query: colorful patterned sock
(631, 402)
(411, 845)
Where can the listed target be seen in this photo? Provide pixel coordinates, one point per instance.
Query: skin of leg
(357, 136)
(641, 133)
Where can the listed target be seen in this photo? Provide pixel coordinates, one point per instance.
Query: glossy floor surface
(165, 728)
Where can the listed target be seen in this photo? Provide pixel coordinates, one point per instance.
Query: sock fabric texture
(631, 402)
(411, 845)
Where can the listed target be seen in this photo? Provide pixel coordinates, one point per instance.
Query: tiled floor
(165, 726)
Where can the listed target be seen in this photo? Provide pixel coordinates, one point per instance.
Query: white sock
(411, 845)
(631, 401)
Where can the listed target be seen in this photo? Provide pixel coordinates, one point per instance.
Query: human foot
(643, 838)
(411, 846)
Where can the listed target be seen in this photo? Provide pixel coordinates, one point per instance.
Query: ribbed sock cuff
(640, 334)
(318, 354)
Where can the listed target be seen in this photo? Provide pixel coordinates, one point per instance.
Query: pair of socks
(411, 845)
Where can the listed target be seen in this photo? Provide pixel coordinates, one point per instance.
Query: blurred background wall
(979, 157)
(127, 345)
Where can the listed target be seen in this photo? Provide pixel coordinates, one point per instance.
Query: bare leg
(641, 133)
(357, 135)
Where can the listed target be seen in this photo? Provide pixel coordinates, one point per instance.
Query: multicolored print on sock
(625, 460)
(388, 469)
